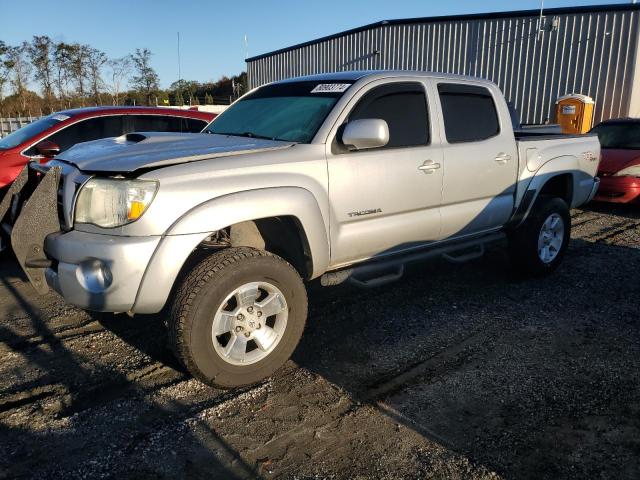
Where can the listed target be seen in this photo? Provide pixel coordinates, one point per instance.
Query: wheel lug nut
(239, 329)
(247, 334)
(250, 309)
(240, 317)
(259, 313)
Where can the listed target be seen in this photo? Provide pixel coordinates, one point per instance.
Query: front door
(386, 199)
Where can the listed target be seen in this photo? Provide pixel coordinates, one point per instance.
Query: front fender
(193, 227)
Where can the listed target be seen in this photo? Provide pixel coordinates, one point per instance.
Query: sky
(212, 32)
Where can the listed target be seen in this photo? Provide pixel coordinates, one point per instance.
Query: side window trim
(444, 86)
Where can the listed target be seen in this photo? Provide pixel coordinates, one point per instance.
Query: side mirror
(48, 149)
(365, 133)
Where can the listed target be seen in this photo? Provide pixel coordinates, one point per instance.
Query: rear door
(480, 158)
(382, 200)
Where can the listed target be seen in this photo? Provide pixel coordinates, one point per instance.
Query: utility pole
(540, 29)
(179, 72)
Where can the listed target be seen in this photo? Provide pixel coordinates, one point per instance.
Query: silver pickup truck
(341, 177)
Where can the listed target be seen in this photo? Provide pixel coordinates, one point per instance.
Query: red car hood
(613, 160)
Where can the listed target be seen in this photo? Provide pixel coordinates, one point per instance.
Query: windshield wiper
(247, 135)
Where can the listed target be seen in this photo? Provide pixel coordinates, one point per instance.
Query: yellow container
(574, 113)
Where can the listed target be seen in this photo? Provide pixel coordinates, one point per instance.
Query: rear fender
(552, 168)
(197, 224)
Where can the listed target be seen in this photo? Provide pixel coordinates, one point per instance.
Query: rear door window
(469, 113)
(194, 125)
(165, 123)
(403, 106)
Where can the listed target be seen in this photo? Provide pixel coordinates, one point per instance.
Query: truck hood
(135, 151)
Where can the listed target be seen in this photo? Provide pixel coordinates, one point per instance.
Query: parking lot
(457, 371)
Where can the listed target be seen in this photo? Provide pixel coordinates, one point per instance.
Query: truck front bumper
(93, 271)
(98, 272)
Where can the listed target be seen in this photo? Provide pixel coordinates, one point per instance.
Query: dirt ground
(457, 371)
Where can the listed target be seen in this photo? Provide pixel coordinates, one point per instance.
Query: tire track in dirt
(607, 233)
(68, 332)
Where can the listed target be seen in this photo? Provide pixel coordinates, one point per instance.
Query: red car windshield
(623, 135)
(29, 131)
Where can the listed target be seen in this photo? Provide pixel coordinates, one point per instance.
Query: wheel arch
(557, 177)
(256, 216)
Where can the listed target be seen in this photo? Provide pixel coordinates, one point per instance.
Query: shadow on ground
(528, 378)
(531, 378)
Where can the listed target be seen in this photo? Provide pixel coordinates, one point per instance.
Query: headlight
(632, 171)
(112, 203)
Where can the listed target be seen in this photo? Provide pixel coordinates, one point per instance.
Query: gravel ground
(457, 371)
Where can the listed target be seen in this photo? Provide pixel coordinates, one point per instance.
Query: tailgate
(28, 213)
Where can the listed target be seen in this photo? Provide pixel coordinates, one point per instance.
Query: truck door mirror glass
(365, 133)
(47, 149)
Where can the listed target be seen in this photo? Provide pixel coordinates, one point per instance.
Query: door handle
(503, 158)
(428, 166)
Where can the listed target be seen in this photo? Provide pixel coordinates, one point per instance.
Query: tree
(78, 68)
(95, 61)
(62, 58)
(208, 99)
(146, 80)
(20, 72)
(179, 99)
(119, 70)
(5, 67)
(40, 52)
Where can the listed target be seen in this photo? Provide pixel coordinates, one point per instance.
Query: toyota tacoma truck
(338, 177)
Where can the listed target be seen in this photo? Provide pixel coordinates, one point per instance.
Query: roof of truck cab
(355, 75)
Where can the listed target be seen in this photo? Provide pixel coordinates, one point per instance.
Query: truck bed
(537, 135)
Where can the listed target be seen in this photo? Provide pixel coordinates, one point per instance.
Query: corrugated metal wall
(591, 53)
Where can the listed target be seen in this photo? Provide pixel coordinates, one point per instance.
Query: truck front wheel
(538, 245)
(237, 317)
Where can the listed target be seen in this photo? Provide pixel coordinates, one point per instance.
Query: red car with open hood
(619, 169)
(59, 131)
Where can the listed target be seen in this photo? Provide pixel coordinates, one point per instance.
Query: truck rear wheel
(537, 247)
(237, 317)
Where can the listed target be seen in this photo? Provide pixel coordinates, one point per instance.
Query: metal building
(534, 58)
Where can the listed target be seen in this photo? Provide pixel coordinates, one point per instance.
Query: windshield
(621, 135)
(291, 112)
(29, 131)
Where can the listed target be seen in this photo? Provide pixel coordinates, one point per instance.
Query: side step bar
(380, 272)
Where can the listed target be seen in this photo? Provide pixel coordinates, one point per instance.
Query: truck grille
(61, 202)
(71, 180)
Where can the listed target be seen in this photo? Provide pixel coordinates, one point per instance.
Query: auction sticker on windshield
(330, 87)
